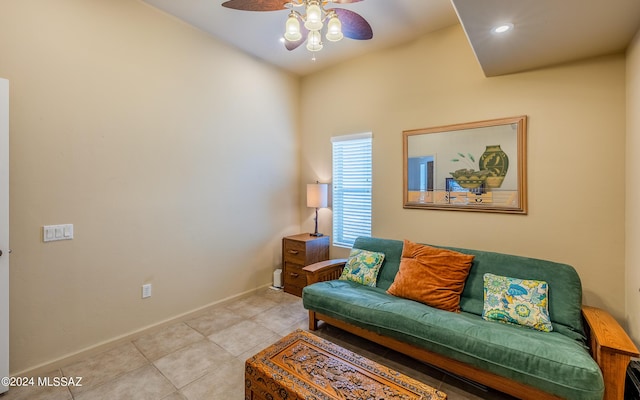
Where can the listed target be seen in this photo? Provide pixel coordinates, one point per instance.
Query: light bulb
(502, 28)
(334, 29)
(314, 41)
(292, 29)
(313, 20)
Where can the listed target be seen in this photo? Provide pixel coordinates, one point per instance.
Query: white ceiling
(546, 32)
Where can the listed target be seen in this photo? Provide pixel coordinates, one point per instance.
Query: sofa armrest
(611, 348)
(324, 270)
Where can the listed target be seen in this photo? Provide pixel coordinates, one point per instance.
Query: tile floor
(203, 358)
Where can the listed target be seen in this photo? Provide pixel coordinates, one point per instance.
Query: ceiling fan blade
(256, 5)
(294, 45)
(354, 26)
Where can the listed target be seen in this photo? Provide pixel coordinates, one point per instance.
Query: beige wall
(575, 150)
(633, 189)
(134, 127)
(174, 156)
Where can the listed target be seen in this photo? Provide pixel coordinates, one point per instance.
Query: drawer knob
(292, 251)
(295, 275)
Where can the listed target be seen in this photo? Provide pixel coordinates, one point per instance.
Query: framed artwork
(475, 166)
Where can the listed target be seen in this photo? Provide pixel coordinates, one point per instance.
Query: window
(351, 188)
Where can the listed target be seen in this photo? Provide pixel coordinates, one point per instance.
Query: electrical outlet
(146, 290)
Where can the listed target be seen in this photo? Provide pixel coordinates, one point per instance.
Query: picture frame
(474, 166)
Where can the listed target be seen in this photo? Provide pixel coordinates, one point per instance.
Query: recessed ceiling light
(502, 28)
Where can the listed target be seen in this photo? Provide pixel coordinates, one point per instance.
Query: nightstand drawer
(294, 275)
(295, 251)
(294, 290)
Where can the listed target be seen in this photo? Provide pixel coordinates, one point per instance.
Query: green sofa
(523, 362)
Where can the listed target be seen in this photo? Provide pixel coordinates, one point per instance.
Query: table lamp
(317, 198)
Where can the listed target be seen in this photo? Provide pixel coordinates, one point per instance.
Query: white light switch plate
(51, 233)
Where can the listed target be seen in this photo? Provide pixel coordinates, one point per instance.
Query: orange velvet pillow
(431, 276)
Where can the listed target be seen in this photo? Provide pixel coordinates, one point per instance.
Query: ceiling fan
(341, 22)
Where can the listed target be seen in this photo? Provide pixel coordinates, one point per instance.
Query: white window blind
(351, 188)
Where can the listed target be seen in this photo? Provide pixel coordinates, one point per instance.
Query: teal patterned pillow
(362, 267)
(516, 301)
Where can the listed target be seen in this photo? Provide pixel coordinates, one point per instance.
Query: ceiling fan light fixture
(314, 41)
(292, 28)
(313, 21)
(307, 19)
(334, 29)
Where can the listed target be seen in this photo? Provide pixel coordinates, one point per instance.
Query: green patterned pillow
(362, 267)
(516, 301)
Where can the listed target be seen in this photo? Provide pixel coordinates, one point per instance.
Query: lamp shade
(314, 41)
(314, 17)
(317, 195)
(292, 29)
(334, 29)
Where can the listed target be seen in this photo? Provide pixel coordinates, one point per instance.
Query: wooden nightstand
(298, 251)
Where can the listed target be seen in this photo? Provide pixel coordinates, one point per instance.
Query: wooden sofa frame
(609, 346)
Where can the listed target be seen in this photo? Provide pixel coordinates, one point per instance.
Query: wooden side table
(298, 251)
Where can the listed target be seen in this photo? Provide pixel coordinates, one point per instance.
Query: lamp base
(315, 231)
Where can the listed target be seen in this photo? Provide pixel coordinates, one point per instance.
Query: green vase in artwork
(495, 161)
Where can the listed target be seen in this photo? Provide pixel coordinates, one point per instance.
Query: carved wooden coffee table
(304, 366)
